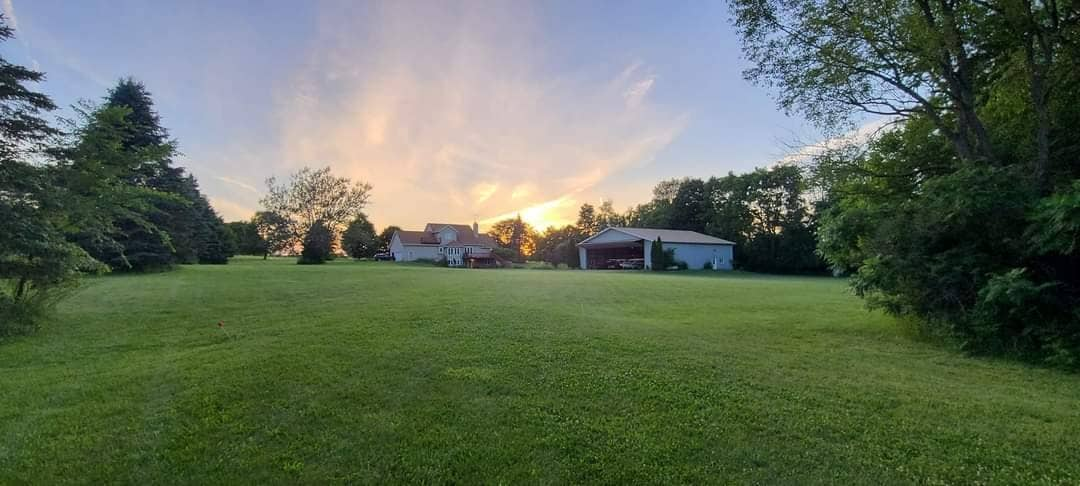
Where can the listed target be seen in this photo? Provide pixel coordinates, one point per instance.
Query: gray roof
(668, 236)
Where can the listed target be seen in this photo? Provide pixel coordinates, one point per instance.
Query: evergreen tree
(35, 258)
(658, 256)
(190, 231)
(317, 244)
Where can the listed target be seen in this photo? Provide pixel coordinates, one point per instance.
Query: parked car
(632, 264)
(384, 257)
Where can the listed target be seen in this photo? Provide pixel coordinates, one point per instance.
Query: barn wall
(697, 255)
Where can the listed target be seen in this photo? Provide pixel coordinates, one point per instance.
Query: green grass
(376, 373)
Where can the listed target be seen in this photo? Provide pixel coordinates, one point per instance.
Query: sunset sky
(452, 111)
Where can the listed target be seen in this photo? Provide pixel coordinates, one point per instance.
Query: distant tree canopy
(276, 231)
(558, 246)
(766, 213)
(515, 235)
(315, 195)
(359, 239)
(246, 239)
(386, 235)
(959, 215)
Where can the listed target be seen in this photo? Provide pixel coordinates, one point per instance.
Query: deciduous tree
(359, 239)
(316, 195)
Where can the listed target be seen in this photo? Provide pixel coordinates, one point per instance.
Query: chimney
(475, 229)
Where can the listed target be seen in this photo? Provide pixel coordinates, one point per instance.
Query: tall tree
(44, 202)
(690, 206)
(181, 227)
(359, 239)
(608, 216)
(516, 235)
(316, 195)
(943, 218)
(586, 220)
(276, 231)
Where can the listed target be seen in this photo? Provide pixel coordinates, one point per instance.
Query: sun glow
(556, 212)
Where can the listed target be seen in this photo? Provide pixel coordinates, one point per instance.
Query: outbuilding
(616, 246)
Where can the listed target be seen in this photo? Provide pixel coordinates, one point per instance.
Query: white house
(438, 241)
(694, 248)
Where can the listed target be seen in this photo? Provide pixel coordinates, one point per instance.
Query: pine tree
(193, 231)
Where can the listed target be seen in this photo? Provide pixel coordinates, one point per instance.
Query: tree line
(768, 213)
(964, 215)
(100, 192)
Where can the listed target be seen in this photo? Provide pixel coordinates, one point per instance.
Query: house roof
(465, 236)
(665, 235)
(417, 238)
(460, 228)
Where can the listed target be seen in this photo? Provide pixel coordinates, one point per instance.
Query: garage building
(627, 244)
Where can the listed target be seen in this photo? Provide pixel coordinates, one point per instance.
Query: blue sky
(452, 111)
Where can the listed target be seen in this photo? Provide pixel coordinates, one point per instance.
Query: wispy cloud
(240, 184)
(9, 13)
(857, 136)
(440, 107)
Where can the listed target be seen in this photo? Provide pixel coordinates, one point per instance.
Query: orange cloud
(440, 106)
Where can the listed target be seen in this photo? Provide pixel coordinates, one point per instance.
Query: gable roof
(465, 236)
(460, 228)
(665, 235)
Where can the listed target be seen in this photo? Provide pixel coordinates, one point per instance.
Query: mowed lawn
(386, 373)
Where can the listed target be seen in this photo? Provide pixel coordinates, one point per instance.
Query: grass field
(373, 373)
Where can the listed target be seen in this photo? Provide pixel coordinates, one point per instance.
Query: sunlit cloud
(483, 191)
(522, 191)
(557, 212)
(440, 107)
(231, 210)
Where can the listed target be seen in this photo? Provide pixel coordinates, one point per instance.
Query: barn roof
(666, 235)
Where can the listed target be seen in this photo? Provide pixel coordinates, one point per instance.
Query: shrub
(681, 265)
(317, 245)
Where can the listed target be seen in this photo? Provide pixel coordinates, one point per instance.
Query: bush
(707, 266)
(681, 265)
(317, 245)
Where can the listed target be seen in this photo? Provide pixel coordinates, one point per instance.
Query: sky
(452, 111)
